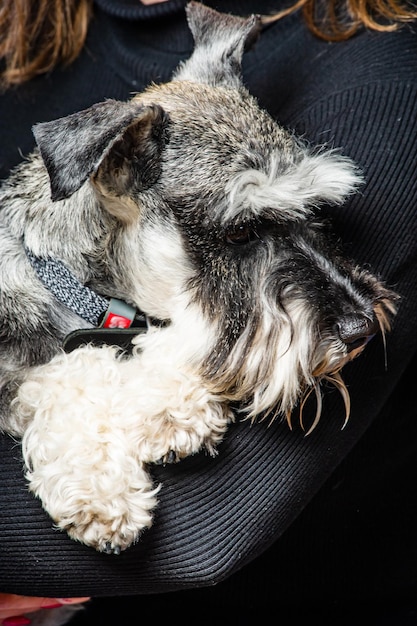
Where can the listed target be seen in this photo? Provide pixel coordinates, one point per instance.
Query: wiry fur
(192, 204)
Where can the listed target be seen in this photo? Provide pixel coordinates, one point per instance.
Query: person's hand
(13, 608)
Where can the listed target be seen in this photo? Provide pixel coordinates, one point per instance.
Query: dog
(184, 220)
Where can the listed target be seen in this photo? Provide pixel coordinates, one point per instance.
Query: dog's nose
(356, 330)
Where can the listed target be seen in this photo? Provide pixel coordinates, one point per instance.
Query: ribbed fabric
(135, 10)
(277, 519)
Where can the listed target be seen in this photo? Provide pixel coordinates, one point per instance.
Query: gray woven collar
(86, 303)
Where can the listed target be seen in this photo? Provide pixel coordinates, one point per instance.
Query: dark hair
(38, 35)
(336, 20)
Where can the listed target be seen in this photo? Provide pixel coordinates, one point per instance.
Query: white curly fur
(93, 428)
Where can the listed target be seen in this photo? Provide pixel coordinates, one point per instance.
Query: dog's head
(214, 204)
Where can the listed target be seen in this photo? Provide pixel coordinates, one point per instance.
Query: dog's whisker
(274, 414)
(301, 409)
(288, 417)
(380, 310)
(316, 389)
(336, 380)
(319, 400)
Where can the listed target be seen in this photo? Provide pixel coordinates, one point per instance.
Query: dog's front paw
(111, 526)
(82, 464)
(105, 512)
(168, 459)
(176, 434)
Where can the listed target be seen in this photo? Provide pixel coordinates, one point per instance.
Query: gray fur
(217, 60)
(73, 147)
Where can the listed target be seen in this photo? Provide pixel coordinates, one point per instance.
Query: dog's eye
(241, 234)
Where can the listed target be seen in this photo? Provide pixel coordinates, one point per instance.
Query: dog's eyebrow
(292, 189)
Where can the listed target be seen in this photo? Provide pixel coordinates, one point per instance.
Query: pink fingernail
(66, 601)
(18, 620)
(72, 600)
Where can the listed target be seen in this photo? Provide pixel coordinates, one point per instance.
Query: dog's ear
(220, 41)
(124, 138)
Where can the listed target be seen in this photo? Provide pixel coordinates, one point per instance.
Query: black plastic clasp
(121, 337)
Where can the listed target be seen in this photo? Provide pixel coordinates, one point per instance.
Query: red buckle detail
(116, 321)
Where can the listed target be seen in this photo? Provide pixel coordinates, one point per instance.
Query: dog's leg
(180, 417)
(95, 422)
(81, 459)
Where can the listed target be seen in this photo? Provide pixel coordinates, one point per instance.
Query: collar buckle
(119, 314)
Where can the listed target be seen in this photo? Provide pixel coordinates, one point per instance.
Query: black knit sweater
(276, 519)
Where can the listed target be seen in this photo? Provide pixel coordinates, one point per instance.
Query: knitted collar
(80, 299)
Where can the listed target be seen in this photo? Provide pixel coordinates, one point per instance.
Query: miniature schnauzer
(188, 215)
